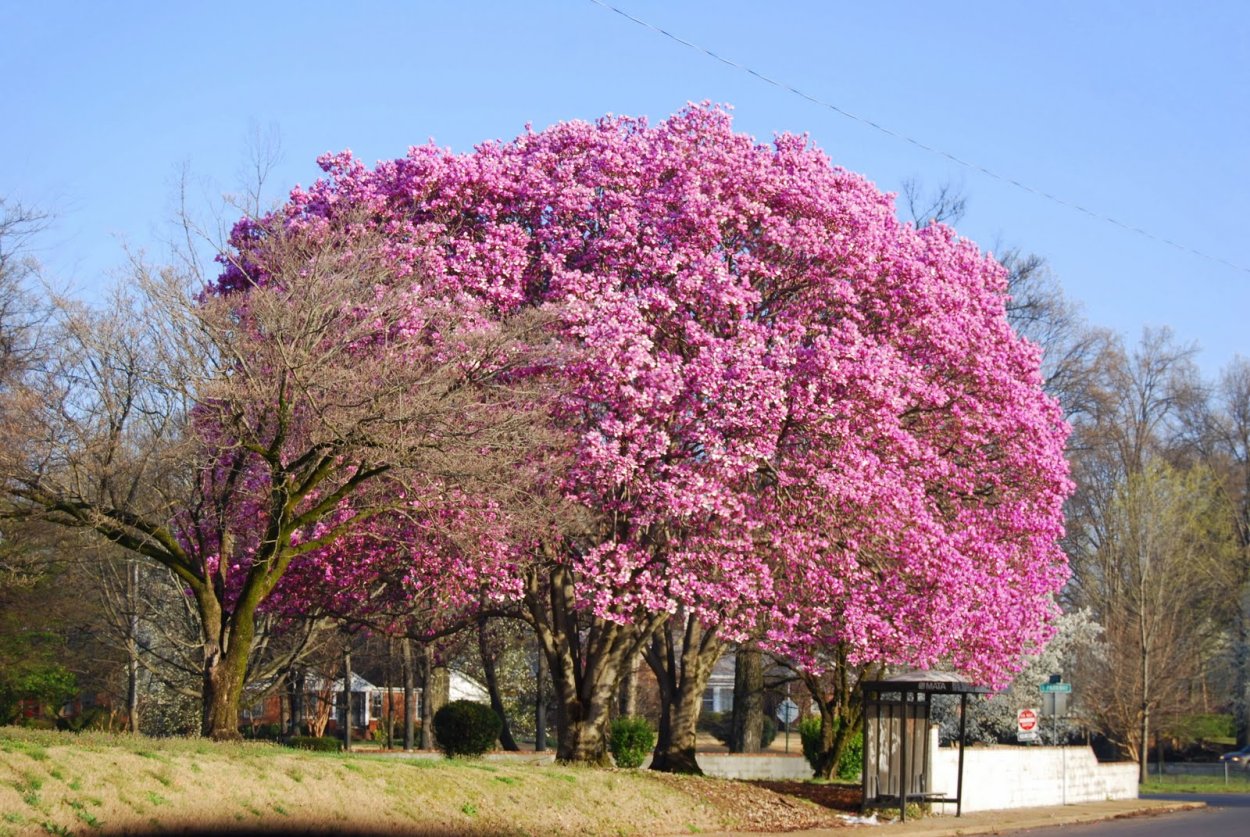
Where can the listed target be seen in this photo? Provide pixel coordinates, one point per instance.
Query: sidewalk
(1000, 822)
(1019, 819)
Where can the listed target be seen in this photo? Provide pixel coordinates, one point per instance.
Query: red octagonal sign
(1026, 720)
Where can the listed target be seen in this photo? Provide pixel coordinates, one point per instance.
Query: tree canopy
(776, 403)
(596, 376)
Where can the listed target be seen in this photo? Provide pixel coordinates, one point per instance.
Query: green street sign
(1056, 687)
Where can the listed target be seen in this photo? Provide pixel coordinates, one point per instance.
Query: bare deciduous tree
(1039, 311)
(222, 434)
(1154, 585)
(23, 559)
(1037, 308)
(1219, 435)
(947, 204)
(1148, 541)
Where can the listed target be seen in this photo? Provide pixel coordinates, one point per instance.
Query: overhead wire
(917, 143)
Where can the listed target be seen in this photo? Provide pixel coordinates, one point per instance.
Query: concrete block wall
(750, 766)
(1027, 777)
(720, 765)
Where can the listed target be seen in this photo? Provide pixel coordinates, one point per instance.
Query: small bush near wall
(852, 761)
(465, 728)
(631, 740)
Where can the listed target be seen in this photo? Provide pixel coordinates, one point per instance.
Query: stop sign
(1026, 720)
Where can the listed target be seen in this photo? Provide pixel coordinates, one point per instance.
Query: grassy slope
(92, 783)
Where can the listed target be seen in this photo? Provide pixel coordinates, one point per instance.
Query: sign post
(1056, 696)
(787, 712)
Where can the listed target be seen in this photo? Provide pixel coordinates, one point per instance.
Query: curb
(1002, 821)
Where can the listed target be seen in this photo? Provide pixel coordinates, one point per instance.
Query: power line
(1011, 181)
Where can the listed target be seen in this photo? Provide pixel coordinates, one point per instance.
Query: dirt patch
(770, 806)
(843, 798)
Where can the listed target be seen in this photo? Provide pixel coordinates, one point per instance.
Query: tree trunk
(432, 697)
(1241, 701)
(841, 705)
(629, 689)
(582, 726)
(410, 690)
(295, 698)
(284, 703)
(747, 729)
(1144, 637)
(683, 680)
(226, 639)
(540, 705)
(440, 688)
(585, 655)
(834, 732)
(388, 711)
(347, 697)
(1143, 747)
(223, 687)
(667, 686)
(492, 688)
(675, 746)
(132, 646)
(1241, 655)
(1241, 611)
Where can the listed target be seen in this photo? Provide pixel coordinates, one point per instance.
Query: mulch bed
(843, 798)
(770, 806)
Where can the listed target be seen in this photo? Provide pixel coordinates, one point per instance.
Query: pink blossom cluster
(785, 408)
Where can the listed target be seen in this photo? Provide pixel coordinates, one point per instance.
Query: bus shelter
(897, 713)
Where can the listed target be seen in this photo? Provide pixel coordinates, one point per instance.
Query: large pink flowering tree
(780, 407)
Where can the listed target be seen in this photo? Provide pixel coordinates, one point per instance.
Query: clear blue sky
(1136, 110)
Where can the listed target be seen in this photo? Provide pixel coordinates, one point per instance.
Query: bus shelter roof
(932, 682)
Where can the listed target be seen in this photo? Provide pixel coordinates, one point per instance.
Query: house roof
(317, 683)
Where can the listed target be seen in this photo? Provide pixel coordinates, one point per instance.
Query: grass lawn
(1238, 782)
(95, 783)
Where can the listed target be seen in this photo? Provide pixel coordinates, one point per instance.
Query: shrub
(852, 760)
(631, 739)
(262, 732)
(809, 734)
(715, 724)
(91, 718)
(768, 733)
(1204, 727)
(851, 765)
(465, 728)
(325, 744)
(397, 731)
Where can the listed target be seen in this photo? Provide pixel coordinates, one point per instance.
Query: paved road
(1226, 815)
